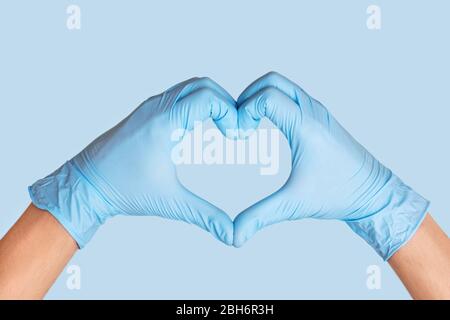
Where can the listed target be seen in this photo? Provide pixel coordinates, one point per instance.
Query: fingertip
(268, 79)
(222, 228)
(227, 235)
(228, 123)
(228, 240)
(244, 229)
(247, 123)
(237, 244)
(239, 240)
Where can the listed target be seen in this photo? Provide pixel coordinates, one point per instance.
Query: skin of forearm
(32, 255)
(423, 263)
(37, 248)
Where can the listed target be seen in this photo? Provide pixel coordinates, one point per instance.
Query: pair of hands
(128, 170)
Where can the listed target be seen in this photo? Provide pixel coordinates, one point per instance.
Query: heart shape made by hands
(259, 174)
(332, 176)
(135, 172)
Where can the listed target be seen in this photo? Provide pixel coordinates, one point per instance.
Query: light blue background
(59, 89)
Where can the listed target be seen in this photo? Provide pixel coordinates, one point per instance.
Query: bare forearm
(32, 255)
(423, 264)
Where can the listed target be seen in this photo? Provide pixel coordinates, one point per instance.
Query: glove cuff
(396, 214)
(72, 200)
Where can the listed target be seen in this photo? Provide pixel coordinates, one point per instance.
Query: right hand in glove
(333, 176)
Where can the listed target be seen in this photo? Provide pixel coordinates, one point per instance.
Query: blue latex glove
(128, 170)
(333, 176)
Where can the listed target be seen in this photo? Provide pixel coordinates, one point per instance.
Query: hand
(333, 176)
(128, 170)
